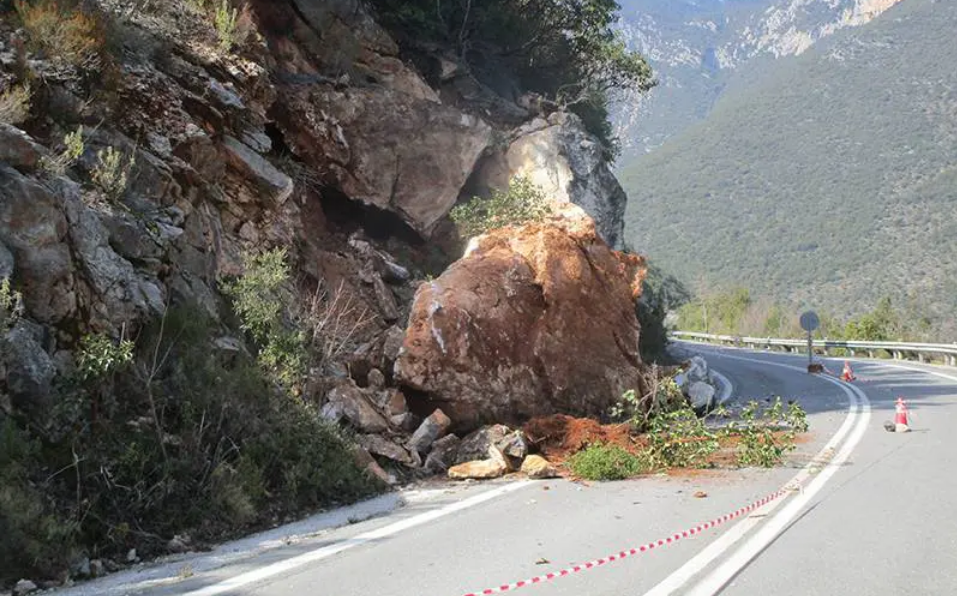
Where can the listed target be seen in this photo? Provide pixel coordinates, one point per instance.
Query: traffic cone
(900, 417)
(848, 375)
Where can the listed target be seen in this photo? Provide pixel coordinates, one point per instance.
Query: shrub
(233, 27)
(679, 439)
(191, 439)
(61, 30)
(768, 434)
(111, 174)
(258, 299)
(15, 104)
(61, 162)
(11, 304)
(99, 355)
(34, 537)
(523, 202)
(607, 462)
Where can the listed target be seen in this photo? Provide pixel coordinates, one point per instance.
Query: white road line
(859, 413)
(911, 368)
(321, 553)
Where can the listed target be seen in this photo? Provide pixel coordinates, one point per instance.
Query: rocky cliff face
(697, 48)
(313, 135)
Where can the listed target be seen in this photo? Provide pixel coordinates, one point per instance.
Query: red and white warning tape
(636, 550)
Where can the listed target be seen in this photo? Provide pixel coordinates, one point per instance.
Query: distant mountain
(699, 47)
(830, 182)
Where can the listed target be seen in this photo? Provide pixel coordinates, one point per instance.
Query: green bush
(225, 21)
(111, 172)
(34, 537)
(679, 439)
(73, 147)
(182, 438)
(767, 434)
(258, 298)
(522, 203)
(607, 462)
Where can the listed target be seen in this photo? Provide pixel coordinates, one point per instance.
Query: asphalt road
(873, 515)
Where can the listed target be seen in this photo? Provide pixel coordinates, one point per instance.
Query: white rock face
(566, 162)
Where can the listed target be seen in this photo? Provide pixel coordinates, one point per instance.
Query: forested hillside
(830, 183)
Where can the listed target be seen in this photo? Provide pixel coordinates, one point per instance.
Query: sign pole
(810, 322)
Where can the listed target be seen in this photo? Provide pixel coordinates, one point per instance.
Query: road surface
(872, 514)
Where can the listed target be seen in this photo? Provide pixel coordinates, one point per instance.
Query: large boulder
(369, 123)
(567, 162)
(534, 320)
(384, 148)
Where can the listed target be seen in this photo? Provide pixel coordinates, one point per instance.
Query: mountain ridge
(828, 184)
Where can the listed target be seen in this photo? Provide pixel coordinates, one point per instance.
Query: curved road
(870, 514)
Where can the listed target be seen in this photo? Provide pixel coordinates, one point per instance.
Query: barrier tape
(636, 550)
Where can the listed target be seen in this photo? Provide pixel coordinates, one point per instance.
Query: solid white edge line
(722, 544)
(720, 577)
(279, 567)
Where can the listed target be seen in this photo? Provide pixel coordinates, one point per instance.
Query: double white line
(827, 462)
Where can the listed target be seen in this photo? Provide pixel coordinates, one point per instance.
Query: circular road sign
(809, 321)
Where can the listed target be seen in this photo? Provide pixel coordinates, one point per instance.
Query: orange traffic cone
(848, 375)
(900, 417)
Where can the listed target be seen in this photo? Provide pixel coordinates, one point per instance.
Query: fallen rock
(97, 568)
(536, 466)
(701, 395)
(432, 428)
(397, 403)
(532, 321)
(376, 379)
(24, 586)
(180, 543)
(406, 421)
(349, 401)
(509, 442)
(493, 467)
(378, 445)
(443, 454)
(366, 462)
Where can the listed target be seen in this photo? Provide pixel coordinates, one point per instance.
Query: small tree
(522, 203)
(257, 299)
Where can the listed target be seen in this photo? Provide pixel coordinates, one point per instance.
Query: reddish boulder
(534, 320)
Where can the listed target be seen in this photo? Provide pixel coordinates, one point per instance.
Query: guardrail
(897, 350)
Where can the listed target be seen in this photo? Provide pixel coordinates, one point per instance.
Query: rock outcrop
(532, 321)
(379, 134)
(567, 163)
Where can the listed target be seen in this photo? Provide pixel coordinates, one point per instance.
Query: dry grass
(61, 31)
(334, 321)
(15, 104)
